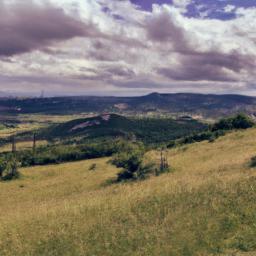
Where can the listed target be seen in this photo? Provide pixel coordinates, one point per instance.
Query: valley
(174, 185)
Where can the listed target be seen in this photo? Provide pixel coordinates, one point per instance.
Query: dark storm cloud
(120, 72)
(26, 27)
(210, 66)
(106, 73)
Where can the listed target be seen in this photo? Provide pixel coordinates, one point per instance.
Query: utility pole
(42, 94)
(161, 161)
(34, 143)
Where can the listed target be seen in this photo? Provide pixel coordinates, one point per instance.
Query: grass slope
(206, 206)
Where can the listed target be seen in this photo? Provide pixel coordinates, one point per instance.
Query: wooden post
(34, 143)
(161, 161)
(166, 160)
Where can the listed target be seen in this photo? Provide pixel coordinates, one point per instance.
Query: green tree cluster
(130, 159)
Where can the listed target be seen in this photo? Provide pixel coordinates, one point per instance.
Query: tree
(240, 121)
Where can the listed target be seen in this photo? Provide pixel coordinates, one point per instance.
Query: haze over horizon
(127, 47)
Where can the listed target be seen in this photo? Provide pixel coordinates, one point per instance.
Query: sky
(127, 47)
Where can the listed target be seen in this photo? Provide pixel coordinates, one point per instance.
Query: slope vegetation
(149, 130)
(205, 206)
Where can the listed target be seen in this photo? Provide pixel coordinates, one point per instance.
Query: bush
(10, 170)
(131, 163)
(220, 128)
(3, 164)
(54, 154)
(239, 121)
(92, 167)
(130, 159)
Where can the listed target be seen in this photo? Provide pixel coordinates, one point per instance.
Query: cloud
(210, 66)
(118, 46)
(30, 26)
(162, 27)
(229, 8)
(197, 53)
(181, 4)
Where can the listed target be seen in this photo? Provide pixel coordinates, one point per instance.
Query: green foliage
(9, 168)
(147, 130)
(239, 121)
(208, 135)
(145, 170)
(253, 162)
(159, 130)
(130, 159)
(59, 153)
(220, 128)
(3, 164)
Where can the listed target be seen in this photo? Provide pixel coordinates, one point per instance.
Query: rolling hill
(199, 105)
(205, 206)
(113, 125)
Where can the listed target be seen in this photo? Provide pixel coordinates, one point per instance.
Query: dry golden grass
(203, 207)
(46, 119)
(32, 122)
(24, 127)
(22, 145)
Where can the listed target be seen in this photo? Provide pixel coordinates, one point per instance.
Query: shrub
(131, 163)
(239, 121)
(220, 128)
(171, 144)
(145, 170)
(53, 154)
(10, 171)
(130, 159)
(242, 121)
(2, 166)
(92, 167)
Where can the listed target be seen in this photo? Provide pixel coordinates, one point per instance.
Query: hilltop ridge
(113, 125)
(204, 105)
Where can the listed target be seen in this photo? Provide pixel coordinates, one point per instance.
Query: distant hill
(197, 105)
(149, 130)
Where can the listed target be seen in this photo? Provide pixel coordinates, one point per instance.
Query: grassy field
(22, 145)
(205, 206)
(46, 119)
(23, 127)
(32, 122)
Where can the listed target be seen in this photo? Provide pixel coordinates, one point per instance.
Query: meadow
(204, 206)
(17, 124)
(22, 145)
